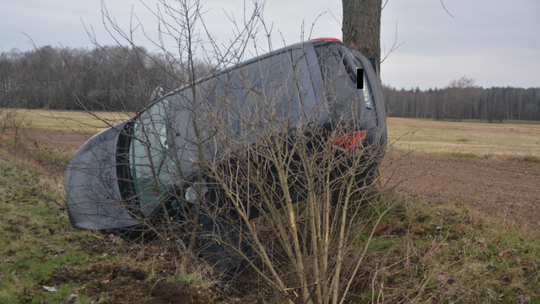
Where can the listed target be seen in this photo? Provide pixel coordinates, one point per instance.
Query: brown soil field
(506, 189)
(509, 190)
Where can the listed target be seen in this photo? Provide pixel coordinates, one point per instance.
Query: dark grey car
(122, 175)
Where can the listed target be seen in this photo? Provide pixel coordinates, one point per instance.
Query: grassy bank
(39, 249)
(433, 254)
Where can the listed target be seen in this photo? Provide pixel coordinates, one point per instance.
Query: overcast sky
(495, 42)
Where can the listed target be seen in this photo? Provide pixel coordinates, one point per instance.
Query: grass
(77, 121)
(37, 242)
(434, 254)
(36, 237)
(465, 139)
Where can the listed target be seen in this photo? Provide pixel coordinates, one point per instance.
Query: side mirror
(156, 94)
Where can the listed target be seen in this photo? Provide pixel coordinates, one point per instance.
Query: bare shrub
(258, 165)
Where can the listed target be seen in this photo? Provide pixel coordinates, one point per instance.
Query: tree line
(121, 78)
(461, 99)
(107, 78)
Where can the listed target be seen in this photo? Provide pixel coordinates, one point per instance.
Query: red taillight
(350, 141)
(327, 39)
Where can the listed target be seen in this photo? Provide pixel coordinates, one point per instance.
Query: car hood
(92, 194)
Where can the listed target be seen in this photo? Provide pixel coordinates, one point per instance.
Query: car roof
(298, 45)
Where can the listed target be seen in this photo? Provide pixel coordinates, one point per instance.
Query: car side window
(265, 89)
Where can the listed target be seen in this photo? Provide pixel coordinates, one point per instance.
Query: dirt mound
(112, 283)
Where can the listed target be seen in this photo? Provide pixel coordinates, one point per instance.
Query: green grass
(36, 240)
(191, 278)
(36, 237)
(450, 255)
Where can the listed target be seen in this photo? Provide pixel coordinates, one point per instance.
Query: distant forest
(117, 78)
(461, 99)
(109, 78)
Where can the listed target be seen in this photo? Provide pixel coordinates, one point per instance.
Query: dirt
(113, 283)
(509, 190)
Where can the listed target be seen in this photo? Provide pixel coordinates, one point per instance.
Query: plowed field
(506, 189)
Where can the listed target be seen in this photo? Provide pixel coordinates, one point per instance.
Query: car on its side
(124, 174)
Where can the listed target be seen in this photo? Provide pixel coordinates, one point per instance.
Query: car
(130, 173)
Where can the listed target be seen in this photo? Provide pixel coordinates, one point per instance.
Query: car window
(266, 89)
(150, 155)
(339, 81)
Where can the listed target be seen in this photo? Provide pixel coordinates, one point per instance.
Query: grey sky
(495, 42)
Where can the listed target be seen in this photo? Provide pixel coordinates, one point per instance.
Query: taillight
(347, 142)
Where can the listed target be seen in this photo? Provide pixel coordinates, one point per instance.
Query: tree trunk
(362, 26)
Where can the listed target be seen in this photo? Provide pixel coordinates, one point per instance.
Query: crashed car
(129, 172)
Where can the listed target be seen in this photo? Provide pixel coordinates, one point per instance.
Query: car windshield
(152, 167)
(339, 81)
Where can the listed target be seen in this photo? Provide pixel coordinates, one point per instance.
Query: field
(464, 138)
(67, 121)
(478, 182)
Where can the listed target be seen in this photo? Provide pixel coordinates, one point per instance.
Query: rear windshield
(339, 81)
